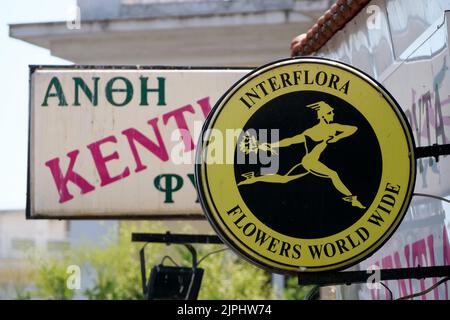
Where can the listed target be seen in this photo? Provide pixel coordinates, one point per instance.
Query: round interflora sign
(305, 165)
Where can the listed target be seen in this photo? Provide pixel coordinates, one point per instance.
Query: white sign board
(118, 142)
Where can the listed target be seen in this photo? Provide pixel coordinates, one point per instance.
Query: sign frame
(128, 216)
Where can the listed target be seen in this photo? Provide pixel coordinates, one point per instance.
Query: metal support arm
(435, 151)
(350, 277)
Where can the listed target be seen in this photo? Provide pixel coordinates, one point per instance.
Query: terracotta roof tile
(334, 19)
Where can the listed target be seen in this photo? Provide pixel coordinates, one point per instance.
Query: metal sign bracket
(183, 239)
(353, 277)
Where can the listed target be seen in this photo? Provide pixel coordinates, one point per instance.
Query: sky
(15, 56)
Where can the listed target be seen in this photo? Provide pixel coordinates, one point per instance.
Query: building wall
(405, 47)
(16, 236)
(19, 241)
(189, 33)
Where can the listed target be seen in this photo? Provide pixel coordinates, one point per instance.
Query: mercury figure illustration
(316, 139)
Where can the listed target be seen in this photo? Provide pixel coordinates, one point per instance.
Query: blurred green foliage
(51, 280)
(113, 270)
(293, 291)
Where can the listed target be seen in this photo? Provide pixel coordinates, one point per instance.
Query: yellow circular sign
(305, 164)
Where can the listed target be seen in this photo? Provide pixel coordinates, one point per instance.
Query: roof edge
(23, 31)
(333, 20)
